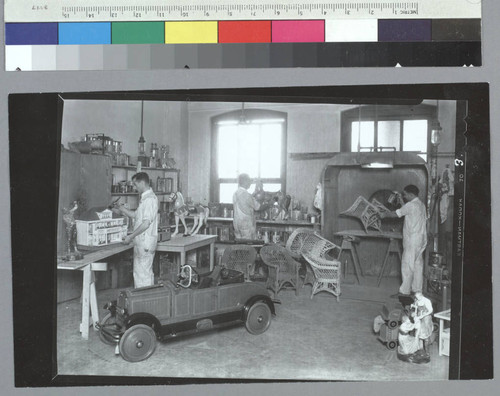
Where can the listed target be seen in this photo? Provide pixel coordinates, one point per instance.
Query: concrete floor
(319, 339)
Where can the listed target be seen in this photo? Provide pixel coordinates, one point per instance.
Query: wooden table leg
(441, 325)
(357, 265)
(94, 310)
(212, 254)
(84, 325)
(387, 253)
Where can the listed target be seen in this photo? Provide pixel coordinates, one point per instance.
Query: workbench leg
(212, 255)
(114, 276)
(381, 274)
(357, 265)
(440, 349)
(183, 258)
(84, 325)
(94, 310)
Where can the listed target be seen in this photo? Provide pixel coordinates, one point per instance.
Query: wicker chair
(327, 274)
(317, 246)
(296, 241)
(283, 269)
(295, 245)
(239, 257)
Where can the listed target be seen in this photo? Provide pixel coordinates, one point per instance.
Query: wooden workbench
(349, 238)
(90, 263)
(181, 244)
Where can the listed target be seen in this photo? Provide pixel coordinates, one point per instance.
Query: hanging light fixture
(436, 129)
(359, 128)
(243, 119)
(142, 142)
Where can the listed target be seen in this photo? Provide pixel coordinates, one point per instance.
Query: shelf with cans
(268, 231)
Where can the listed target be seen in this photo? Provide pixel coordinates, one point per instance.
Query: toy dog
(181, 210)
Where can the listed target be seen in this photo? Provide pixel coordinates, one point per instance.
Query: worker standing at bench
(414, 240)
(145, 235)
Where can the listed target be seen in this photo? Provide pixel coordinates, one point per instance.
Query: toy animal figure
(278, 201)
(182, 209)
(72, 252)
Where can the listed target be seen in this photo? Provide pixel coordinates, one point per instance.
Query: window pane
(389, 134)
(228, 151)
(226, 192)
(365, 136)
(248, 150)
(415, 135)
(272, 187)
(270, 151)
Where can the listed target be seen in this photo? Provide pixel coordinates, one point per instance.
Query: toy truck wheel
(109, 321)
(392, 324)
(258, 318)
(137, 343)
(391, 345)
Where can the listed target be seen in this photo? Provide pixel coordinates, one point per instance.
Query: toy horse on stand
(278, 201)
(182, 209)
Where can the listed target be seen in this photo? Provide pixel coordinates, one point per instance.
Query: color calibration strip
(211, 32)
(242, 44)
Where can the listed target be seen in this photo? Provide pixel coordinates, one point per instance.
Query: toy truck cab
(391, 313)
(222, 298)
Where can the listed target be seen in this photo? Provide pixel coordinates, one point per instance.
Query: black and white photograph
(254, 235)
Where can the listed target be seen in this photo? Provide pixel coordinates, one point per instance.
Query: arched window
(249, 141)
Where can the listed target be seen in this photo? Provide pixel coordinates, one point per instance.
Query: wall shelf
(136, 193)
(132, 167)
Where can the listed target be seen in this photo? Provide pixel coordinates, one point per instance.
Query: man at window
(145, 235)
(414, 240)
(245, 206)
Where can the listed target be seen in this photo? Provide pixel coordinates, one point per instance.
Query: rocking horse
(181, 210)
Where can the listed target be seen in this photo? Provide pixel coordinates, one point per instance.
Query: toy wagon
(140, 317)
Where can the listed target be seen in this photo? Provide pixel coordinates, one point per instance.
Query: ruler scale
(189, 10)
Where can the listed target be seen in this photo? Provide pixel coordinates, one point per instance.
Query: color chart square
(244, 31)
(18, 57)
(137, 32)
(85, 33)
(345, 30)
(298, 31)
(197, 32)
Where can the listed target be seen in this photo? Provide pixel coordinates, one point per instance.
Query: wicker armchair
(296, 240)
(327, 274)
(295, 245)
(239, 257)
(317, 246)
(283, 269)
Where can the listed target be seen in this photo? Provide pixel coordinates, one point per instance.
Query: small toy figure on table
(70, 223)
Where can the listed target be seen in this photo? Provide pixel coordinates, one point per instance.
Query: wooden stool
(348, 243)
(393, 247)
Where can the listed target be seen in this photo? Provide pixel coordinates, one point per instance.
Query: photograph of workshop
(254, 240)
